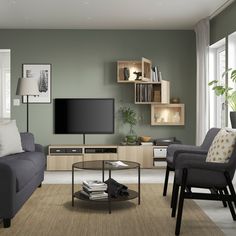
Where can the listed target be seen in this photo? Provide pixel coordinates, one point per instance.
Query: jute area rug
(49, 212)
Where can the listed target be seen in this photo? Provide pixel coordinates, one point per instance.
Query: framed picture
(43, 74)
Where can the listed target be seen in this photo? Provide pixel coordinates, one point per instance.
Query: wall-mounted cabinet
(132, 71)
(150, 92)
(169, 114)
(149, 88)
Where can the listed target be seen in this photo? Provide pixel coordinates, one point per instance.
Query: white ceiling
(105, 14)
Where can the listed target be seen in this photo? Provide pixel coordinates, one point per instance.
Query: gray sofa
(20, 175)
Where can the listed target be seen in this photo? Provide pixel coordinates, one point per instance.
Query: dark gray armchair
(175, 149)
(201, 174)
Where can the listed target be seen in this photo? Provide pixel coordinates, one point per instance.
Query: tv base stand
(61, 157)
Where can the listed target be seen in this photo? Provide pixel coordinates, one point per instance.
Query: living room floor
(215, 210)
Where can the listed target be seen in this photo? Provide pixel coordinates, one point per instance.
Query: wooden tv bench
(61, 157)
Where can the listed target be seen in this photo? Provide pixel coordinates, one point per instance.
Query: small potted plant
(130, 117)
(228, 92)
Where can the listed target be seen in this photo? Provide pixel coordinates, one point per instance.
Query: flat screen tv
(83, 116)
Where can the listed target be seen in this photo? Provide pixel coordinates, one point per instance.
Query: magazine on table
(116, 163)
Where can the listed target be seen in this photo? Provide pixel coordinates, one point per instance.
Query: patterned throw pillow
(222, 146)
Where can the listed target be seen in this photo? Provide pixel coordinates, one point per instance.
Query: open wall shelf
(169, 114)
(149, 88)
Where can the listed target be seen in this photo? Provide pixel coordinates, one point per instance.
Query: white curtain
(202, 30)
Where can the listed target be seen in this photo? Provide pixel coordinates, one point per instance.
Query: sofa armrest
(39, 148)
(7, 191)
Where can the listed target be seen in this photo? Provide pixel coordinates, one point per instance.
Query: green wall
(223, 24)
(84, 65)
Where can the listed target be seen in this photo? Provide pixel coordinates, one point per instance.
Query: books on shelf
(156, 74)
(144, 92)
(93, 183)
(93, 196)
(94, 189)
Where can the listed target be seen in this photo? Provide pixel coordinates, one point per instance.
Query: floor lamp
(27, 87)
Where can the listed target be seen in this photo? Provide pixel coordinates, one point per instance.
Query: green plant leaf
(226, 72)
(232, 101)
(219, 90)
(213, 82)
(233, 75)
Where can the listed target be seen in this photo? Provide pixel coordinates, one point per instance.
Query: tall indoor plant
(129, 116)
(228, 92)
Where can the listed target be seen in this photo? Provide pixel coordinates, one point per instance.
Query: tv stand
(61, 157)
(83, 139)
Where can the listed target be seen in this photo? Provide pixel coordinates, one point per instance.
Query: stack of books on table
(94, 189)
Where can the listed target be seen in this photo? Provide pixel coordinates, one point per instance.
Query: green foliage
(230, 96)
(129, 116)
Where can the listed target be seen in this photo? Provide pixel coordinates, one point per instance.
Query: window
(5, 84)
(217, 66)
(231, 62)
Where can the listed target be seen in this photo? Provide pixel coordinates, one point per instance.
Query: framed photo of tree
(43, 74)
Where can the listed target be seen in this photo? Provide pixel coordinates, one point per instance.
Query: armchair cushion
(222, 147)
(202, 174)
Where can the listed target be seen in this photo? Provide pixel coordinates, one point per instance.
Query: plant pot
(131, 138)
(233, 119)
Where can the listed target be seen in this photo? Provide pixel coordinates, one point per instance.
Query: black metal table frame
(108, 187)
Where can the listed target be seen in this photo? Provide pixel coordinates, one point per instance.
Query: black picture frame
(43, 73)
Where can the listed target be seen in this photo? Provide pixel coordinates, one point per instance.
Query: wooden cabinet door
(100, 156)
(165, 92)
(140, 154)
(146, 69)
(62, 162)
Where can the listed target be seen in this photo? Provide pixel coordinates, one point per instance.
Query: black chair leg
(181, 202)
(231, 208)
(223, 201)
(173, 194)
(6, 223)
(231, 187)
(174, 199)
(166, 181)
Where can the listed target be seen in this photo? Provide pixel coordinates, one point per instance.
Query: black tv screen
(83, 116)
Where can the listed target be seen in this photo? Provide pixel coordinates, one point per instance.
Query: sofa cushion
(25, 166)
(10, 141)
(27, 141)
(222, 146)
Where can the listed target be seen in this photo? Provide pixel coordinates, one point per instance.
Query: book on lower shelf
(94, 189)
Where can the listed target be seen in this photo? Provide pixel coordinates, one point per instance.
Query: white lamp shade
(27, 86)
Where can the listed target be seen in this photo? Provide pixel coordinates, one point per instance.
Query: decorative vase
(126, 73)
(233, 119)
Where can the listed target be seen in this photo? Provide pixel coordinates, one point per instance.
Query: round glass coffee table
(106, 165)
